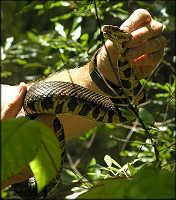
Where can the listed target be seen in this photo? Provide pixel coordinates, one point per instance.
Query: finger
(146, 32)
(148, 46)
(14, 106)
(138, 18)
(144, 65)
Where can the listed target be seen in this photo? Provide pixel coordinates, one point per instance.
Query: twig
(133, 108)
(129, 141)
(138, 152)
(168, 163)
(168, 64)
(165, 122)
(88, 146)
(167, 146)
(71, 163)
(129, 135)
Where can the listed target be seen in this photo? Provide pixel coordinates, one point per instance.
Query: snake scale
(56, 97)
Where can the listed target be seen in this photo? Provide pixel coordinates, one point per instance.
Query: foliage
(148, 183)
(27, 142)
(64, 34)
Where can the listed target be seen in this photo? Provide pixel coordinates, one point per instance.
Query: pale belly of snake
(58, 97)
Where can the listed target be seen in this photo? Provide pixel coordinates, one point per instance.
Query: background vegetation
(42, 37)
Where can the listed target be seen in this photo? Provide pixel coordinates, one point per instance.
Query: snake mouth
(106, 32)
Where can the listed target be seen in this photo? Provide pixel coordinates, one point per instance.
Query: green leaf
(48, 4)
(126, 113)
(84, 36)
(166, 138)
(60, 29)
(20, 141)
(47, 162)
(151, 183)
(32, 36)
(8, 43)
(76, 21)
(106, 189)
(109, 161)
(146, 116)
(35, 64)
(5, 74)
(41, 12)
(131, 169)
(148, 183)
(21, 62)
(87, 134)
(160, 95)
(76, 33)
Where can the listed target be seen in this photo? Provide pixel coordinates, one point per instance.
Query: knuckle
(11, 104)
(156, 27)
(160, 27)
(143, 13)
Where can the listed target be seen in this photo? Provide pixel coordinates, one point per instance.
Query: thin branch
(71, 163)
(129, 135)
(168, 146)
(138, 152)
(128, 141)
(168, 163)
(133, 108)
(165, 122)
(168, 64)
(88, 146)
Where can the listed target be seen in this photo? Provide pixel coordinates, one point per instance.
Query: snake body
(56, 97)
(130, 86)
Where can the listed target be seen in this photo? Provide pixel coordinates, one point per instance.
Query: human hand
(11, 110)
(14, 106)
(146, 46)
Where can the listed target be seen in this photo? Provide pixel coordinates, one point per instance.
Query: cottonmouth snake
(57, 97)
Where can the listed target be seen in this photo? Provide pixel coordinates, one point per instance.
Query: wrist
(107, 86)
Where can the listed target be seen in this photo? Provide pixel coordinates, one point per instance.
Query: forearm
(73, 126)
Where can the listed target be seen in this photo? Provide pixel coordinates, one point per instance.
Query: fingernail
(125, 28)
(20, 87)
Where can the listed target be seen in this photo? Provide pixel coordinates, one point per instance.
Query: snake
(58, 97)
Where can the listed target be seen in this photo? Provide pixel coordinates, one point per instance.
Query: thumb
(108, 51)
(14, 106)
(112, 50)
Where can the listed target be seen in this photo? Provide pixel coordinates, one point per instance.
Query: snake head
(114, 32)
(116, 35)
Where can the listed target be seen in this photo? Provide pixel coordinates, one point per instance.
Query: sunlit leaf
(60, 29)
(21, 62)
(5, 74)
(47, 162)
(84, 36)
(76, 33)
(32, 36)
(8, 43)
(20, 140)
(131, 169)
